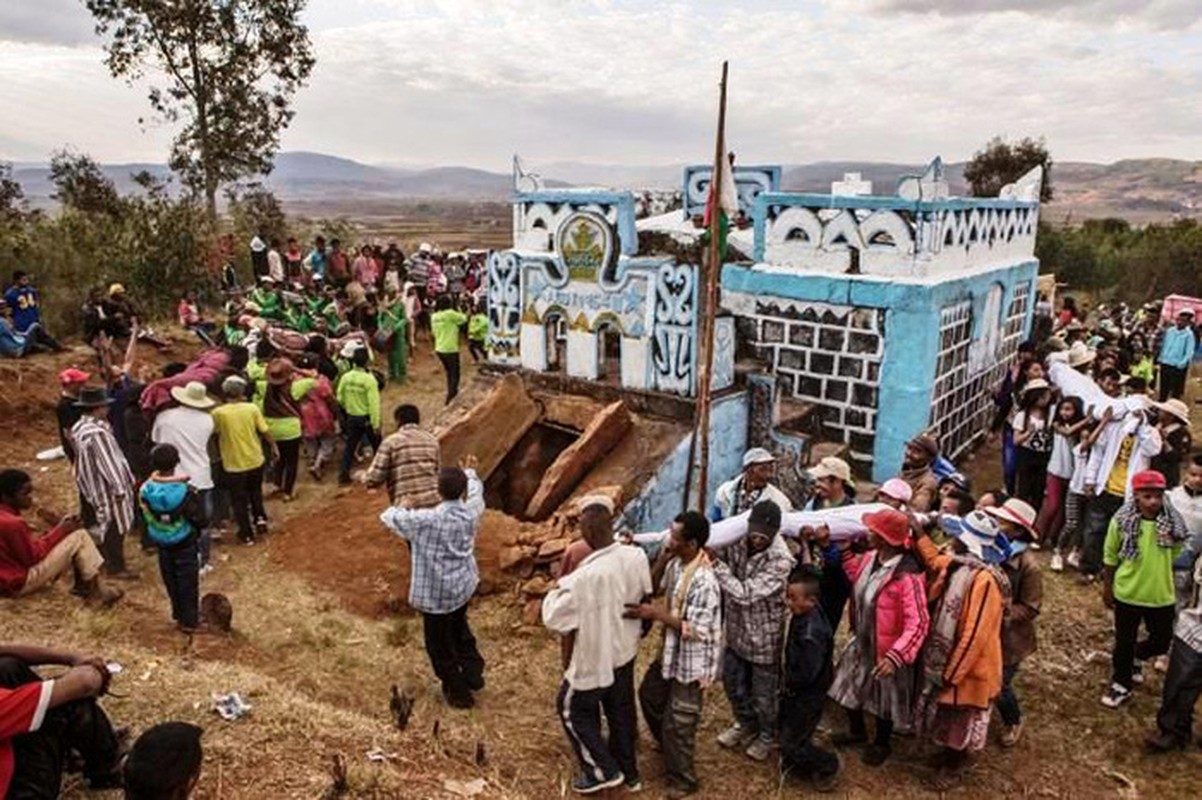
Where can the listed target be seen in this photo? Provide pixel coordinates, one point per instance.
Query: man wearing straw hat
(104, 479)
(1173, 421)
(188, 427)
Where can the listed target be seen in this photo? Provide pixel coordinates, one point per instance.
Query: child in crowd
(1068, 423)
(477, 334)
(1016, 520)
(1033, 440)
(174, 514)
(806, 676)
(1142, 541)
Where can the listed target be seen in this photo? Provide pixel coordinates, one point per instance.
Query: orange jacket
(973, 674)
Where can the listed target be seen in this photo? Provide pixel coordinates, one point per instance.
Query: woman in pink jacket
(876, 673)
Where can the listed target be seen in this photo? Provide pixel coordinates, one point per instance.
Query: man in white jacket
(753, 484)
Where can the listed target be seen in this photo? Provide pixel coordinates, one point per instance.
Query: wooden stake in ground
(718, 223)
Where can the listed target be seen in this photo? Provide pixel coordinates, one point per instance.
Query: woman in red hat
(876, 673)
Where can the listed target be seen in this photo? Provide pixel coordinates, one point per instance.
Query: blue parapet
(750, 183)
(617, 207)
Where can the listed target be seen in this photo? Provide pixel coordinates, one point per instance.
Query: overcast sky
(426, 82)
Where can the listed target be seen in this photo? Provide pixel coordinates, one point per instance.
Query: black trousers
(452, 651)
(179, 566)
(835, 590)
(476, 348)
(39, 757)
(354, 431)
(673, 713)
(113, 546)
(580, 713)
(799, 757)
(1127, 645)
(1182, 686)
(1172, 381)
(1031, 475)
(1098, 511)
(450, 363)
(246, 496)
(286, 465)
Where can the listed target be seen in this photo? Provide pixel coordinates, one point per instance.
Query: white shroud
(845, 522)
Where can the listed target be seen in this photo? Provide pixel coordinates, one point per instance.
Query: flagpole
(710, 302)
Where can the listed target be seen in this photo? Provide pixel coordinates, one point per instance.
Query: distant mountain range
(1141, 190)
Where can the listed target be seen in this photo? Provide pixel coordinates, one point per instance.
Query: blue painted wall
(660, 500)
(911, 334)
(628, 235)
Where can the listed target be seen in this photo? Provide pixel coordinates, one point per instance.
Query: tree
(12, 196)
(229, 71)
(80, 183)
(1000, 163)
(255, 211)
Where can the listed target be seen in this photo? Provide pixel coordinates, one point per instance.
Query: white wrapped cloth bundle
(844, 522)
(1074, 384)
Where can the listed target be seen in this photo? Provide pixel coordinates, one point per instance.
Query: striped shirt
(408, 463)
(103, 474)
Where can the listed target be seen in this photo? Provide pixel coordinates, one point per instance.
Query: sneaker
(736, 737)
(587, 785)
(463, 700)
(1115, 696)
(1073, 559)
(760, 749)
(876, 754)
(205, 570)
(1034, 546)
(633, 785)
(1057, 562)
(1087, 580)
(1011, 734)
(260, 527)
(1137, 673)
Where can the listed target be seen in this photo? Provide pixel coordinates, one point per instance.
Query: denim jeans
(1182, 686)
(752, 690)
(179, 567)
(1097, 519)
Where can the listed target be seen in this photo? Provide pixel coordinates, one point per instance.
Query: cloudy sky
(425, 82)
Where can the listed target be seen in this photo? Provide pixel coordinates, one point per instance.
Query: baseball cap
(1148, 479)
(757, 455)
(832, 467)
(73, 375)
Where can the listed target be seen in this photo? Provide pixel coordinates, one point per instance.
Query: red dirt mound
(343, 548)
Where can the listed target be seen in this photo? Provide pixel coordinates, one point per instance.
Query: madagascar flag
(722, 206)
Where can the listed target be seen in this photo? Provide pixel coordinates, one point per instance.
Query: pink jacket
(902, 621)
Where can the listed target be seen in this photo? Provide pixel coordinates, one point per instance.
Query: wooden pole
(710, 301)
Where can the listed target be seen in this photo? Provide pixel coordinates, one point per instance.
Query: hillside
(1141, 190)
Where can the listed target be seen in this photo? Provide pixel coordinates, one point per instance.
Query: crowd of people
(933, 587)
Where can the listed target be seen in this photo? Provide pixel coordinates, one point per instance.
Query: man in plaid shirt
(443, 577)
(672, 691)
(407, 462)
(753, 577)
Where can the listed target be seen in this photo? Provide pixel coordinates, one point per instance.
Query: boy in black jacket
(807, 671)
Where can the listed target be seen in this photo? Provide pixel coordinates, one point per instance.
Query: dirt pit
(343, 548)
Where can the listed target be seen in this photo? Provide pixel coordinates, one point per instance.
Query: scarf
(680, 593)
(1171, 529)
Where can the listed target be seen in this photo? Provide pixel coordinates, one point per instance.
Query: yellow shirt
(1116, 484)
(238, 426)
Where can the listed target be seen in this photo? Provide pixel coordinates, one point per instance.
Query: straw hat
(1017, 512)
(1079, 355)
(1034, 384)
(1176, 408)
(279, 371)
(193, 395)
(831, 467)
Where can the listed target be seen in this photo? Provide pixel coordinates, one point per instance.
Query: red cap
(1148, 479)
(73, 375)
(891, 525)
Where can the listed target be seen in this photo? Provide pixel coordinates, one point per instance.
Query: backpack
(171, 510)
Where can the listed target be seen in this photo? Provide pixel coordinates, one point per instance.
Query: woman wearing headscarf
(962, 661)
(876, 672)
(283, 414)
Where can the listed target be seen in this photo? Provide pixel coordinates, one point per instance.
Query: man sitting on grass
(28, 562)
(41, 721)
(164, 763)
